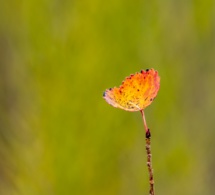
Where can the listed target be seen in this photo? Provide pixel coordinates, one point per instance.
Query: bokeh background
(58, 135)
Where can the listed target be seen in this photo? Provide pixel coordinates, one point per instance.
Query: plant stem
(149, 155)
(144, 120)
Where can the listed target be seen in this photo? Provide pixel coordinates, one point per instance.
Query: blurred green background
(58, 135)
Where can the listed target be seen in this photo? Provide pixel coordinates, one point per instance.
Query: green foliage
(58, 136)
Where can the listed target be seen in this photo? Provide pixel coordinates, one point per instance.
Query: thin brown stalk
(149, 155)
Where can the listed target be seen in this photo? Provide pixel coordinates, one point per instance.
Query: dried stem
(149, 155)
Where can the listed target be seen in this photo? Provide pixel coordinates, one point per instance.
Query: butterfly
(136, 92)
